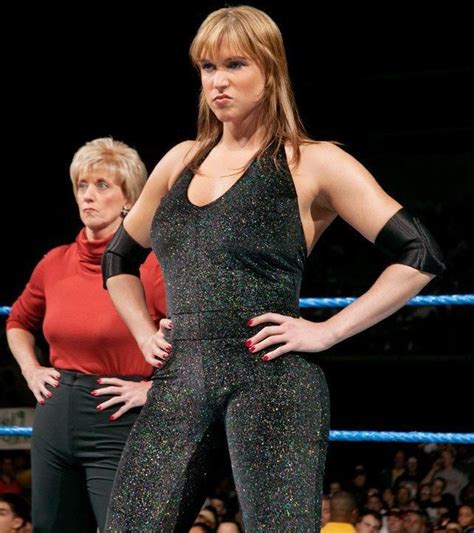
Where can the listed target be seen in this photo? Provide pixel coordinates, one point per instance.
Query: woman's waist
(73, 377)
(223, 323)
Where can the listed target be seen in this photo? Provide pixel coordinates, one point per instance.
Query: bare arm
(22, 346)
(127, 291)
(349, 190)
(352, 192)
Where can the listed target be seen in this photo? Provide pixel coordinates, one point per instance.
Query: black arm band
(123, 255)
(406, 240)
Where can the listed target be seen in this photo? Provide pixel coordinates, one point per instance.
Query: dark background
(394, 86)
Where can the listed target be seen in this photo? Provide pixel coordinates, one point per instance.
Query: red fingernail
(41, 402)
(99, 407)
(165, 356)
(99, 381)
(168, 349)
(265, 358)
(48, 394)
(248, 343)
(159, 364)
(56, 385)
(252, 349)
(111, 418)
(93, 393)
(249, 322)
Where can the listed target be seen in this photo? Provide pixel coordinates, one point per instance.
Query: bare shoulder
(348, 188)
(172, 164)
(138, 221)
(325, 156)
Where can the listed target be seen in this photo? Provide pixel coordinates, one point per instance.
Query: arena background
(389, 84)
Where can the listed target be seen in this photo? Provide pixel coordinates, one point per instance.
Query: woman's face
(233, 85)
(100, 200)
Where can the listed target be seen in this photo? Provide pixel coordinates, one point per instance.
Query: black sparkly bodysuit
(239, 256)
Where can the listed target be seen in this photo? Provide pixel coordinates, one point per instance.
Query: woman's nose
(221, 80)
(88, 193)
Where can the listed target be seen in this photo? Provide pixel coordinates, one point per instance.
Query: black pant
(75, 453)
(276, 419)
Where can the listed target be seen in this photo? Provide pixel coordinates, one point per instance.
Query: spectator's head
(369, 523)
(466, 516)
(334, 486)
(388, 497)
(412, 465)
(453, 527)
(343, 508)
(359, 479)
(219, 505)
(394, 520)
(7, 467)
(207, 516)
(437, 486)
(399, 459)
(228, 527)
(199, 527)
(415, 522)
(325, 510)
(467, 494)
(424, 492)
(14, 513)
(375, 503)
(403, 496)
(447, 457)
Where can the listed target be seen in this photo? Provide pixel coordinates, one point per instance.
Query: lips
(221, 97)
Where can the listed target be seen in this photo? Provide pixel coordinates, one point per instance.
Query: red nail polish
(168, 349)
(93, 393)
(265, 358)
(41, 402)
(99, 407)
(248, 343)
(111, 418)
(249, 322)
(99, 382)
(252, 349)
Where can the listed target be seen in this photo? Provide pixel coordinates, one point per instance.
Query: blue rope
(337, 435)
(447, 299)
(400, 436)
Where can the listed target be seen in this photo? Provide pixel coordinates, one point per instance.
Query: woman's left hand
(294, 335)
(130, 393)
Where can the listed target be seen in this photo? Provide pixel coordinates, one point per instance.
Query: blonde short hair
(116, 156)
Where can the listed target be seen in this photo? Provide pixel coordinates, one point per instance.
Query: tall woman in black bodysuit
(232, 217)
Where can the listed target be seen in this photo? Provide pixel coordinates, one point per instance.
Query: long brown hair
(248, 30)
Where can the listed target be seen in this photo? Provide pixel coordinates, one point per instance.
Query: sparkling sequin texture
(234, 258)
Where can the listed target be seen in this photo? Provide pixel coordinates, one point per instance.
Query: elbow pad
(123, 255)
(406, 240)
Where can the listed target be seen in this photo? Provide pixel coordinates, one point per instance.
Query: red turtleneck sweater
(83, 329)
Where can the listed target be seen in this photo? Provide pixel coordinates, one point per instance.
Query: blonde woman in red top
(97, 381)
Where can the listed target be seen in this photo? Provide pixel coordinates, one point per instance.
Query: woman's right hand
(156, 348)
(38, 377)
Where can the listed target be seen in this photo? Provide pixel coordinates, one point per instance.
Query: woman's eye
(235, 64)
(102, 185)
(82, 186)
(207, 67)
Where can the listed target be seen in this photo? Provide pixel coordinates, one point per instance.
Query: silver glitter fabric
(234, 258)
